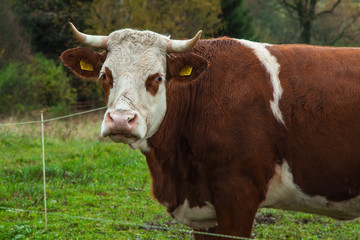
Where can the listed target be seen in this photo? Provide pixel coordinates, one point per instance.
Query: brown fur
(209, 153)
(151, 84)
(72, 57)
(176, 62)
(321, 106)
(225, 141)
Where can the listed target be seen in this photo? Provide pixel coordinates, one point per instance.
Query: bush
(39, 83)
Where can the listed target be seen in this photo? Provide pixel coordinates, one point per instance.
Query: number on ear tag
(186, 71)
(86, 66)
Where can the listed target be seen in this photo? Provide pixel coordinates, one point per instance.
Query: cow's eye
(102, 76)
(159, 78)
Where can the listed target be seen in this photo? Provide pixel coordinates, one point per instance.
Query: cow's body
(228, 148)
(261, 126)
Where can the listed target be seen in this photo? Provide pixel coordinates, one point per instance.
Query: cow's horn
(182, 45)
(91, 40)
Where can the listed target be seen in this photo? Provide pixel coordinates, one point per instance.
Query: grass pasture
(100, 184)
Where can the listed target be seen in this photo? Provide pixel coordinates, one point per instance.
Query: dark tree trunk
(305, 36)
(306, 15)
(303, 11)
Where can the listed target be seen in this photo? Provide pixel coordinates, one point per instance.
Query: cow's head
(132, 70)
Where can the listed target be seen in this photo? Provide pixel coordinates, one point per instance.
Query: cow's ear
(185, 66)
(84, 62)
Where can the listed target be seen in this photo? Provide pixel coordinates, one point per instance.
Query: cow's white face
(132, 72)
(136, 97)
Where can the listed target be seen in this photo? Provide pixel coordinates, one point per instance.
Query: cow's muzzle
(121, 126)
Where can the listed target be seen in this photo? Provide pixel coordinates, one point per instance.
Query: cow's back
(321, 139)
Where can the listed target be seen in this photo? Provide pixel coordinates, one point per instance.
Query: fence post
(43, 157)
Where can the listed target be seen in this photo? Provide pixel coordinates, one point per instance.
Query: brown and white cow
(228, 126)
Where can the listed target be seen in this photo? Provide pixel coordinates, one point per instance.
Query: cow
(228, 126)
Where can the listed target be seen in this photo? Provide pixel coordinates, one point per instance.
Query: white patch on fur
(202, 218)
(284, 194)
(273, 68)
(132, 57)
(141, 144)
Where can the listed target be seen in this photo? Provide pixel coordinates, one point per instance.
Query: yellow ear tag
(186, 71)
(86, 66)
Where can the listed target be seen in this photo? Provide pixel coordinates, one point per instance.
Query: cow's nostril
(132, 118)
(109, 119)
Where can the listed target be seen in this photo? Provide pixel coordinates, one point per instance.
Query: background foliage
(333, 22)
(29, 27)
(18, 80)
(237, 20)
(13, 43)
(181, 19)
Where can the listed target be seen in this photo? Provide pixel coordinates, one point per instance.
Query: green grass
(95, 179)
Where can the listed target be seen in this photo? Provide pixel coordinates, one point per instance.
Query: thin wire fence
(128, 224)
(52, 119)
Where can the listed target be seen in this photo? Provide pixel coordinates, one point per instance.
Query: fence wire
(52, 119)
(128, 224)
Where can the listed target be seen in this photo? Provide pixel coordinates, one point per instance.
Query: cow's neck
(171, 157)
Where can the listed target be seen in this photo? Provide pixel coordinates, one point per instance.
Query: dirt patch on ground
(264, 219)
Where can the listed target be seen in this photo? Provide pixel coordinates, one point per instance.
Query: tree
(304, 12)
(340, 28)
(237, 20)
(181, 18)
(13, 45)
(271, 22)
(337, 25)
(45, 22)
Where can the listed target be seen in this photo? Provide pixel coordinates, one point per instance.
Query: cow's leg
(199, 236)
(237, 219)
(235, 211)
